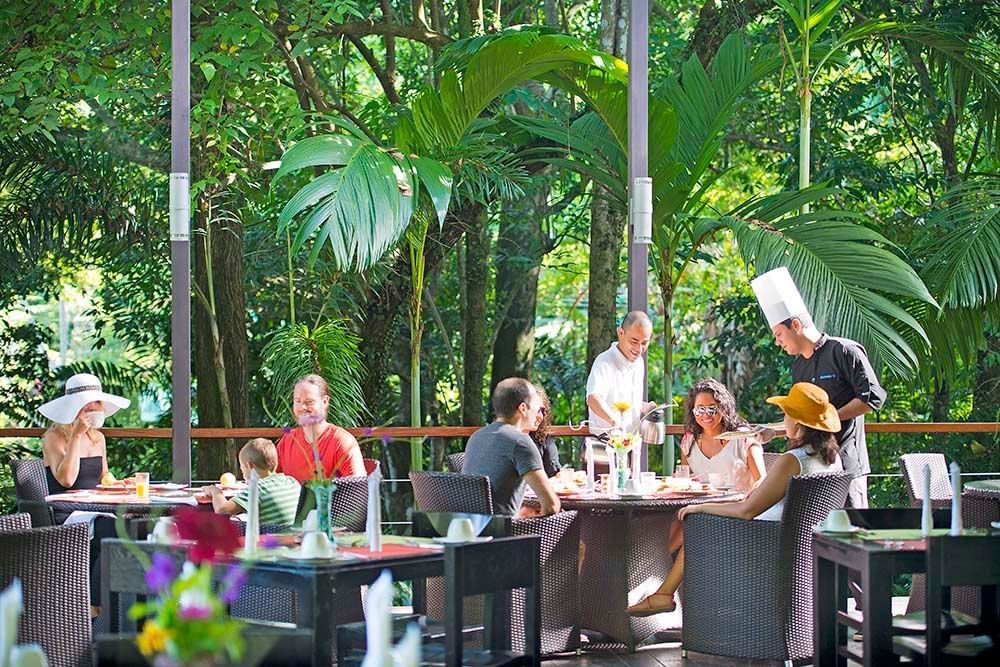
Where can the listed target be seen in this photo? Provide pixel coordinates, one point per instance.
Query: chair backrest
(770, 458)
(451, 492)
(349, 503)
(29, 479)
(808, 499)
(53, 566)
(455, 461)
(20, 521)
(912, 466)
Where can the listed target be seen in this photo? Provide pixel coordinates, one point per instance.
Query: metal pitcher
(652, 428)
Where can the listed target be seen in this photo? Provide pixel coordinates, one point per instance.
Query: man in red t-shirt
(339, 452)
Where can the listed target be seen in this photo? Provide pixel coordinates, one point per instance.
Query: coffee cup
(164, 531)
(717, 479)
(837, 521)
(460, 530)
(315, 544)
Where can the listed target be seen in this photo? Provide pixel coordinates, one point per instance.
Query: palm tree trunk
(473, 289)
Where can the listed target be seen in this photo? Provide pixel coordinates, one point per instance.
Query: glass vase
(324, 494)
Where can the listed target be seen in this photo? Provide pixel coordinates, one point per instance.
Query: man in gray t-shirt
(503, 451)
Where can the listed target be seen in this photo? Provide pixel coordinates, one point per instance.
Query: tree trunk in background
(986, 385)
(477, 275)
(212, 457)
(717, 20)
(518, 257)
(607, 226)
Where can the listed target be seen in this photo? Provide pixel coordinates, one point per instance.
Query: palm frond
(843, 269)
(330, 350)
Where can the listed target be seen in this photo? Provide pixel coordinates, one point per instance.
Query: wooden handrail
(399, 432)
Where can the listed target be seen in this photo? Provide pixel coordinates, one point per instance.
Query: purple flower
(385, 438)
(268, 541)
(232, 584)
(309, 419)
(368, 431)
(161, 573)
(286, 429)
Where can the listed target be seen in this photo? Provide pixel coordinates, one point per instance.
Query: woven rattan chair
(748, 584)
(912, 466)
(53, 566)
(31, 487)
(20, 521)
(560, 534)
(455, 461)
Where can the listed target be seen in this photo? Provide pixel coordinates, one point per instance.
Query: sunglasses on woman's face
(710, 410)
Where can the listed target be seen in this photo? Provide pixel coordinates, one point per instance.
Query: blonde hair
(261, 454)
(317, 381)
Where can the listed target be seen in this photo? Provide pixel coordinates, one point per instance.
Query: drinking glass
(648, 481)
(603, 484)
(682, 472)
(142, 485)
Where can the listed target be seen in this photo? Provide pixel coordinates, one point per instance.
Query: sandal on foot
(646, 606)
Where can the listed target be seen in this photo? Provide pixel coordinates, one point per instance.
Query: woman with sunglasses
(710, 410)
(540, 436)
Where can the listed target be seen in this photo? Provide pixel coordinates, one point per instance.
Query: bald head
(634, 334)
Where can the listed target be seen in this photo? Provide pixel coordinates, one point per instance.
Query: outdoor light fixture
(642, 210)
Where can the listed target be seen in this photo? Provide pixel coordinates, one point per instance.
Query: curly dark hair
(541, 434)
(731, 419)
(822, 442)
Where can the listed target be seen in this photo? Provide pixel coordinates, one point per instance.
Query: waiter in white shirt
(618, 376)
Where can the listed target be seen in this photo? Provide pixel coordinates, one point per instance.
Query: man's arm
(853, 408)
(601, 408)
(548, 499)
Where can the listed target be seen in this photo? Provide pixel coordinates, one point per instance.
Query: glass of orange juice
(142, 485)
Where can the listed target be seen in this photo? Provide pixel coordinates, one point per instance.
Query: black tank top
(91, 468)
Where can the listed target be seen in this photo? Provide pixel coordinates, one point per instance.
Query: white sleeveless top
(809, 463)
(731, 460)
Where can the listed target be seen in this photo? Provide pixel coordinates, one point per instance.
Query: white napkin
(637, 462)
(956, 499)
(378, 622)
(408, 650)
(589, 454)
(612, 471)
(11, 607)
(311, 523)
(926, 518)
(374, 525)
(253, 514)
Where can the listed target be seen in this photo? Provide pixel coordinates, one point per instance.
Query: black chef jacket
(841, 368)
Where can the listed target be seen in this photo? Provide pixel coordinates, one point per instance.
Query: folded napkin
(311, 523)
(956, 499)
(408, 651)
(374, 522)
(253, 514)
(378, 622)
(926, 518)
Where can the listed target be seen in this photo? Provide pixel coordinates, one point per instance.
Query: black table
(314, 583)
(875, 564)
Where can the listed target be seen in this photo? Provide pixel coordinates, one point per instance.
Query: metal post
(180, 230)
(638, 152)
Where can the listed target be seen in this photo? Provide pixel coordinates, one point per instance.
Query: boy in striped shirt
(278, 493)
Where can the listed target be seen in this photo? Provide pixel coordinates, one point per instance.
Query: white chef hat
(778, 296)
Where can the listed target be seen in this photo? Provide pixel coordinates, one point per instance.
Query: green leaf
(208, 69)
(437, 179)
(324, 150)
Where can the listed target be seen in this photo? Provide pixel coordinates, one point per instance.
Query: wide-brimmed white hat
(778, 296)
(81, 389)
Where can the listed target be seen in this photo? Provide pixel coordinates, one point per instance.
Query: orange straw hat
(810, 406)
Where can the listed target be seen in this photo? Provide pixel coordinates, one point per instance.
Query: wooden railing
(399, 432)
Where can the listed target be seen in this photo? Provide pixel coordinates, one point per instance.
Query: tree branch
(360, 29)
(380, 73)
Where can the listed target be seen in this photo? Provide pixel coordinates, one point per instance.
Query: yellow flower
(152, 639)
(621, 406)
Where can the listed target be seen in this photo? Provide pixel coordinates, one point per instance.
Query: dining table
(624, 558)
(161, 499)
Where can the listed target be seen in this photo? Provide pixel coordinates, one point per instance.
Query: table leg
(877, 625)
(840, 632)
(824, 612)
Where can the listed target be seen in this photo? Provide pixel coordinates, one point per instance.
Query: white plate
(449, 540)
(631, 496)
(995, 524)
(849, 531)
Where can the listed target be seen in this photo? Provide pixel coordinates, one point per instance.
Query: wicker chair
(748, 585)
(912, 466)
(455, 461)
(31, 487)
(53, 566)
(560, 534)
(10, 522)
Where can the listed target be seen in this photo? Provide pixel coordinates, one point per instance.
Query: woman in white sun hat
(73, 448)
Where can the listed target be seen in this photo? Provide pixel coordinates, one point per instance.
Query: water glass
(142, 485)
(682, 472)
(647, 481)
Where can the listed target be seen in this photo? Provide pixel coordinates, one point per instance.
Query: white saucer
(450, 540)
(995, 524)
(847, 531)
(298, 555)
